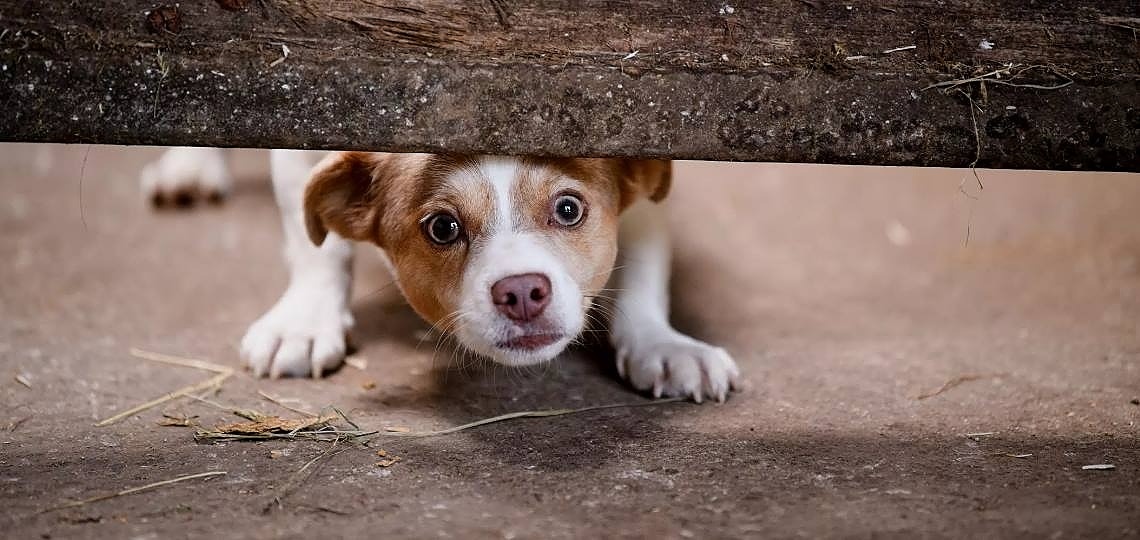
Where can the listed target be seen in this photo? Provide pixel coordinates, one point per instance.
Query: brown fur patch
(590, 248)
(429, 274)
(341, 197)
(634, 178)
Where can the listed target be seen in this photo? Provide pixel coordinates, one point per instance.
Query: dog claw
(675, 365)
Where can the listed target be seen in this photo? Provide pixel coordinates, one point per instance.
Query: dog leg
(183, 174)
(651, 354)
(304, 332)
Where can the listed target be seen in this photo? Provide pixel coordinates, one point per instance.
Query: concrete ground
(846, 294)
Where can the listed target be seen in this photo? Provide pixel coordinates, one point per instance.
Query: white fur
(304, 332)
(189, 171)
(501, 172)
(504, 250)
(650, 353)
(504, 254)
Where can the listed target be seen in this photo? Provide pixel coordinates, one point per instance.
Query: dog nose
(521, 297)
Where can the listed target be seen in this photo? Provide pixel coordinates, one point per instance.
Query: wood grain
(792, 80)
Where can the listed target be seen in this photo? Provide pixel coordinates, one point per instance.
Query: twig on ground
(15, 424)
(212, 382)
(275, 424)
(133, 490)
(333, 433)
(956, 381)
(346, 418)
(323, 434)
(526, 414)
(248, 414)
(319, 508)
(179, 361)
(281, 403)
(173, 420)
(223, 373)
(294, 481)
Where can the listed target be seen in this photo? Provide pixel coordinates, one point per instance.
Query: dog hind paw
(184, 174)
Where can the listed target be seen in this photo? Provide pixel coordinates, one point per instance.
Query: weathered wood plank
(1055, 82)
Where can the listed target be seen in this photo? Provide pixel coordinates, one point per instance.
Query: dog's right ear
(344, 195)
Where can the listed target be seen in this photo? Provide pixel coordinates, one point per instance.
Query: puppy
(507, 254)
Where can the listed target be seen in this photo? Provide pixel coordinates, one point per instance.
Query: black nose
(522, 297)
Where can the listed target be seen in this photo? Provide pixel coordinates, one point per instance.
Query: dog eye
(568, 210)
(442, 229)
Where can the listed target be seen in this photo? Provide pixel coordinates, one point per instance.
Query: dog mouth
(529, 342)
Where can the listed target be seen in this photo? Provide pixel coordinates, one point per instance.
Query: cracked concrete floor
(845, 293)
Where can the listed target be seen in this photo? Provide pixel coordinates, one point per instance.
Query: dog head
(507, 254)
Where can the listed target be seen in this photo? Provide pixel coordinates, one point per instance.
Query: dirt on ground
(923, 361)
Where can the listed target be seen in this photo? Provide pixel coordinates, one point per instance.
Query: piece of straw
(133, 490)
(326, 433)
(297, 478)
(957, 381)
(223, 373)
(204, 385)
(524, 414)
(281, 403)
(179, 361)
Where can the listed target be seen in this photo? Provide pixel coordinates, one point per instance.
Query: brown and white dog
(507, 254)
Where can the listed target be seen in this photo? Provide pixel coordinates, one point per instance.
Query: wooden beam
(1005, 83)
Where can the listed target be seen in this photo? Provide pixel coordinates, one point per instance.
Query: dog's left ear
(344, 195)
(648, 178)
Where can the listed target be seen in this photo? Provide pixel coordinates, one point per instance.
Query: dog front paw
(304, 333)
(671, 364)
